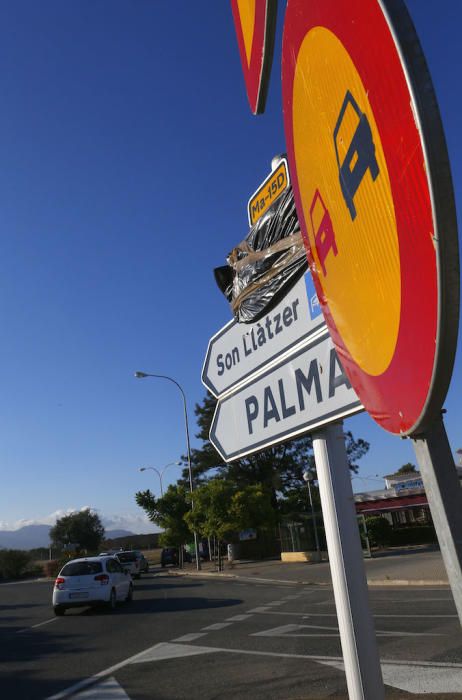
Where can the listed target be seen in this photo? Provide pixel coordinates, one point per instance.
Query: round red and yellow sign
(370, 172)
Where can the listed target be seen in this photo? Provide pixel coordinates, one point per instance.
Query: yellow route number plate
(274, 185)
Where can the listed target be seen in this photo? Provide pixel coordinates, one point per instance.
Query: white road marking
(101, 674)
(426, 680)
(412, 601)
(168, 650)
(107, 690)
(399, 673)
(296, 631)
(286, 631)
(269, 611)
(238, 618)
(190, 637)
(416, 678)
(40, 624)
(216, 626)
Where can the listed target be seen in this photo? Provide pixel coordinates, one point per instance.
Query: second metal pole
(444, 496)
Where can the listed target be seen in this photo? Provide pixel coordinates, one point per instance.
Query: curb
(17, 582)
(370, 582)
(251, 579)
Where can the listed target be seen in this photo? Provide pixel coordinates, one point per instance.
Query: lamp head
(141, 375)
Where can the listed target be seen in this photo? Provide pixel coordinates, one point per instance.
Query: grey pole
(143, 469)
(357, 636)
(444, 495)
(142, 375)
(306, 476)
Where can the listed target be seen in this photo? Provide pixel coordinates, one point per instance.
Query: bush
(420, 534)
(53, 567)
(14, 563)
(379, 531)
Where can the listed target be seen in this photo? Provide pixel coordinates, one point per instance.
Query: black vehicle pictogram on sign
(360, 155)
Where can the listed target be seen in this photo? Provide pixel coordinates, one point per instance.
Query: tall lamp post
(160, 473)
(308, 477)
(143, 375)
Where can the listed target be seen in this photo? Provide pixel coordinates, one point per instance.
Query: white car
(91, 581)
(131, 560)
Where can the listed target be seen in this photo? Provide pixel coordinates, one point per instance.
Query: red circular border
(397, 398)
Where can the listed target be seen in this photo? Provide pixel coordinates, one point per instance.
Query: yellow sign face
(247, 15)
(268, 192)
(342, 144)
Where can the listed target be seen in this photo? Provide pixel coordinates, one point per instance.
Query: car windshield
(82, 568)
(126, 556)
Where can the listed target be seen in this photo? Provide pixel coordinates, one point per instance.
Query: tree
(407, 468)
(222, 509)
(278, 469)
(83, 528)
(168, 512)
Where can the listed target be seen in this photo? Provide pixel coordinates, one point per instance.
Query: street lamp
(307, 476)
(160, 473)
(143, 375)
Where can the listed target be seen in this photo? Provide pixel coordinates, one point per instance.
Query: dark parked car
(169, 555)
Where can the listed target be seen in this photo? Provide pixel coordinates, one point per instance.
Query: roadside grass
(153, 556)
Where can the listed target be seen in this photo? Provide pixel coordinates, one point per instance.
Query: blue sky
(128, 154)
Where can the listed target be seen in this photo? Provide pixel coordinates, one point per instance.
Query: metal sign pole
(357, 635)
(444, 496)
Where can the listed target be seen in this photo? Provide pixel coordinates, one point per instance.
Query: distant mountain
(27, 537)
(113, 534)
(32, 536)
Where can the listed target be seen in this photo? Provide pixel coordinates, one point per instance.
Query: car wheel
(59, 610)
(129, 597)
(112, 602)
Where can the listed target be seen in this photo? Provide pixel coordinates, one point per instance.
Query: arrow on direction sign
(239, 350)
(291, 398)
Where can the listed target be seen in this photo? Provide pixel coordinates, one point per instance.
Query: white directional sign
(302, 392)
(240, 350)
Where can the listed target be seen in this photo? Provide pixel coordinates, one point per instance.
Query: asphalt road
(228, 639)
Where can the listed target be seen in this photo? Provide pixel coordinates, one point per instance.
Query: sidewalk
(403, 567)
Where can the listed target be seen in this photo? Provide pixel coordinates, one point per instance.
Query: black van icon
(360, 154)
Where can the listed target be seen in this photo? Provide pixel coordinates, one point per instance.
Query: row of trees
(254, 492)
(257, 492)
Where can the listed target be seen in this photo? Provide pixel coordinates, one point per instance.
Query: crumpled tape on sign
(266, 264)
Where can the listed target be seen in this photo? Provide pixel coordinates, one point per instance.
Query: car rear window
(82, 568)
(126, 556)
